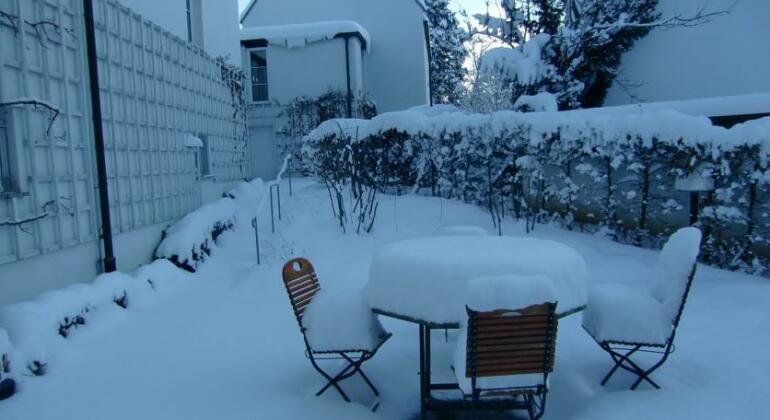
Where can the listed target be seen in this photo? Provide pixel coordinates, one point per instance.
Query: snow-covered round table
(424, 280)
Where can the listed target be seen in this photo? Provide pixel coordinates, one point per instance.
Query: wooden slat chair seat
(509, 355)
(302, 285)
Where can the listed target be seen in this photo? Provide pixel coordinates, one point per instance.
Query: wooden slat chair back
(301, 283)
(505, 342)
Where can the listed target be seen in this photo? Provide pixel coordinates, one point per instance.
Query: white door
(263, 153)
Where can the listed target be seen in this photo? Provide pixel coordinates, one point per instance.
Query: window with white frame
(258, 70)
(205, 159)
(202, 153)
(6, 180)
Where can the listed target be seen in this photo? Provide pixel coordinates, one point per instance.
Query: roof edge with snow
(250, 5)
(301, 34)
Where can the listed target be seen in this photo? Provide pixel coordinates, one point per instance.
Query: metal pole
(694, 207)
(272, 215)
(96, 111)
(278, 191)
(291, 193)
(255, 225)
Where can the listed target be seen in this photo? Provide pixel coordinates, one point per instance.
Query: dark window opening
(258, 60)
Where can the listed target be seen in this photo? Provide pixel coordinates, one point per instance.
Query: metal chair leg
(624, 362)
(618, 359)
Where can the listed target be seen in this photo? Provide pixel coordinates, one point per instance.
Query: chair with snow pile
(325, 318)
(503, 356)
(626, 321)
(509, 356)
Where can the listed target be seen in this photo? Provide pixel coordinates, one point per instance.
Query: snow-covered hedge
(188, 242)
(37, 329)
(583, 169)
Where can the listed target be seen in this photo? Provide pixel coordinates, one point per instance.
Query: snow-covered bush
(5, 354)
(304, 114)
(614, 173)
(191, 240)
(37, 329)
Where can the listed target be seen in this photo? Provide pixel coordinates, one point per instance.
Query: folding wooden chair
(509, 355)
(302, 284)
(626, 321)
(621, 351)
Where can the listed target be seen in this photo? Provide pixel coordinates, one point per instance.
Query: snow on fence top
(301, 34)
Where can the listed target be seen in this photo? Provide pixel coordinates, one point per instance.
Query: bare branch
(42, 27)
(37, 104)
(11, 20)
(676, 21)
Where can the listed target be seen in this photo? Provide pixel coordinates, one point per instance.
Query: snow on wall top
(302, 34)
(757, 103)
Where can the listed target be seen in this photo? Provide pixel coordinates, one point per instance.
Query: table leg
(423, 387)
(428, 366)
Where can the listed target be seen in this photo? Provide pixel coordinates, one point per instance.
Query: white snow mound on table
(341, 320)
(426, 278)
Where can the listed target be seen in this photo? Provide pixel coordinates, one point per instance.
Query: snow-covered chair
(624, 320)
(338, 326)
(504, 356)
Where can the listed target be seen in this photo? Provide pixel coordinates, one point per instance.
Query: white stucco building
(726, 57)
(365, 48)
(210, 24)
(171, 142)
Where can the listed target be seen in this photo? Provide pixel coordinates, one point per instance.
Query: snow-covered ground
(227, 346)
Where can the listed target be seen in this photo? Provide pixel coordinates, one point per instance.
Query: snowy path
(227, 346)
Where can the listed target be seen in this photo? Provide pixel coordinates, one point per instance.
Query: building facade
(726, 56)
(171, 139)
(370, 49)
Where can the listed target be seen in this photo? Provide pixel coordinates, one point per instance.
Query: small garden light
(697, 182)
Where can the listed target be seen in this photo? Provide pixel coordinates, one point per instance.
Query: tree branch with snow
(36, 104)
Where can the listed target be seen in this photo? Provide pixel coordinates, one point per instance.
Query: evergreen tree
(447, 52)
(588, 51)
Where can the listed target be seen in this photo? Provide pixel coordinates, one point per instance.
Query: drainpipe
(347, 70)
(101, 164)
(426, 27)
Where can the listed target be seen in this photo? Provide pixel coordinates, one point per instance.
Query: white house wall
(215, 22)
(293, 72)
(396, 64)
(221, 31)
(155, 89)
(728, 56)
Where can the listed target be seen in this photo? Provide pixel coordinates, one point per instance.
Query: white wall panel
(155, 88)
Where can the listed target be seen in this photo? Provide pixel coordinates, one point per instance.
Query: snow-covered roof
(756, 103)
(247, 9)
(301, 34)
